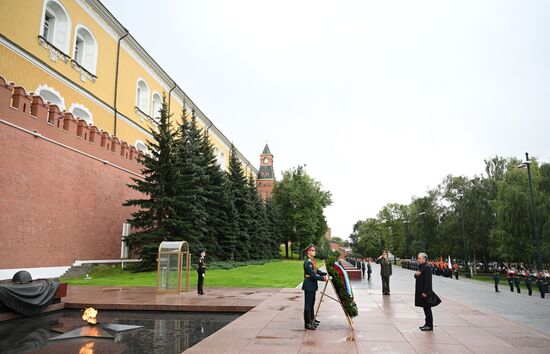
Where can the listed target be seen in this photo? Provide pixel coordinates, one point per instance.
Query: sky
(379, 99)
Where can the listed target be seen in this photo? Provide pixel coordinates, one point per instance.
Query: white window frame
(89, 47)
(143, 97)
(145, 150)
(154, 110)
(64, 47)
(74, 106)
(60, 104)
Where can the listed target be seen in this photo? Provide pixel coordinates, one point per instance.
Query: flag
(450, 266)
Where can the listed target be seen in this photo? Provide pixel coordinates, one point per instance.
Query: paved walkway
(531, 311)
(385, 324)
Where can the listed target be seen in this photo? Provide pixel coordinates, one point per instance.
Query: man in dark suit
(423, 289)
(385, 272)
(202, 271)
(309, 286)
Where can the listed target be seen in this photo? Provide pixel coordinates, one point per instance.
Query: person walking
(385, 272)
(309, 286)
(423, 290)
(202, 271)
(369, 269)
(496, 279)
(363, 267)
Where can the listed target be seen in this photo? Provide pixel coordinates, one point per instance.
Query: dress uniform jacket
(385, 267)
(311, 275)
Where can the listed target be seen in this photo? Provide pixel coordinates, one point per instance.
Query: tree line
(188, 196)
(484, 218)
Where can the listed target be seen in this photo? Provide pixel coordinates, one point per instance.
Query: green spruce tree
(155, 217)
(191, 202)
(238, 190)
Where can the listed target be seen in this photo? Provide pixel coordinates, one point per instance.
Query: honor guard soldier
(202, 271)
(539, 281)
(309, 286)
(509, 276)
(496, 278)
(528, 282)
(517, 281)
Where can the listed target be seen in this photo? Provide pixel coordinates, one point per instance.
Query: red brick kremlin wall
(58, 205)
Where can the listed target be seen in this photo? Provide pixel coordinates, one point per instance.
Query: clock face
(266, 160)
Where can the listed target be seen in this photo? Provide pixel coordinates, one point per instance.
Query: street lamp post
(527, 163)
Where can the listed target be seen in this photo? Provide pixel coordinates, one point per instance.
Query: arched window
(142, 96)
(85, 49)
(55, 26)
(49, 94)
(156, 105)
(81, 112)
(140, 145)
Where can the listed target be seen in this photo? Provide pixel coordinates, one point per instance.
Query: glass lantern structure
(173, 260)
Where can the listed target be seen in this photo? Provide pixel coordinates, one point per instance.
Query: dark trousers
(385, 284)
(456, 275)
(529, 288)
(496, 280)
(511, 285)
(200, 284)
(541, 289)
(429, 316)
(308, 306)
(368, 275)
(363, 272)
(517, 287)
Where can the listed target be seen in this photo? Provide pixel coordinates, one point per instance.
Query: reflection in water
(87, 348)
(162, 332)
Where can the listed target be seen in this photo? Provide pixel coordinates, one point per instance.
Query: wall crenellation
(44, 118)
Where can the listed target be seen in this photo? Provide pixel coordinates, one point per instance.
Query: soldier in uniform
(309, 286)
(540, 283)
(528, 282)
(509, 278)
(385, 272)
(517, 281)
(369, 269)
(363, 267)
(496, 279)
(455, 267)
(202, 271)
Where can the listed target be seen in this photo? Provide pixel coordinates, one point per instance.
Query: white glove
(203, 275)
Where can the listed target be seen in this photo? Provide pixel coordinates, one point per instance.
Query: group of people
(514, 278)
(363, 264)
(424, 294)
(440, 268)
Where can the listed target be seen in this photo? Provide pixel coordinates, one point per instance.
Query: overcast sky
(380, 99)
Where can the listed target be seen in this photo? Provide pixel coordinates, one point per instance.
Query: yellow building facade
(75, 54)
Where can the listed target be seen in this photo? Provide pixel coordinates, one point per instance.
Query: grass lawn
(276, 274)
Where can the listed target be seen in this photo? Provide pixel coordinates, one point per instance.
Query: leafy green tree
(300, 201)
(156, 218)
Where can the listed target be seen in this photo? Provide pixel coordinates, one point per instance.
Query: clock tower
(266, 176)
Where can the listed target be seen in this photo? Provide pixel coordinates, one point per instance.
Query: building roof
(266, 150)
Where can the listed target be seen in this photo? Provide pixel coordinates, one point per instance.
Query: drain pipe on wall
(116, 77)
(170, 97)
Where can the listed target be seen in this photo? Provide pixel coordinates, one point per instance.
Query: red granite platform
(148, 298)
